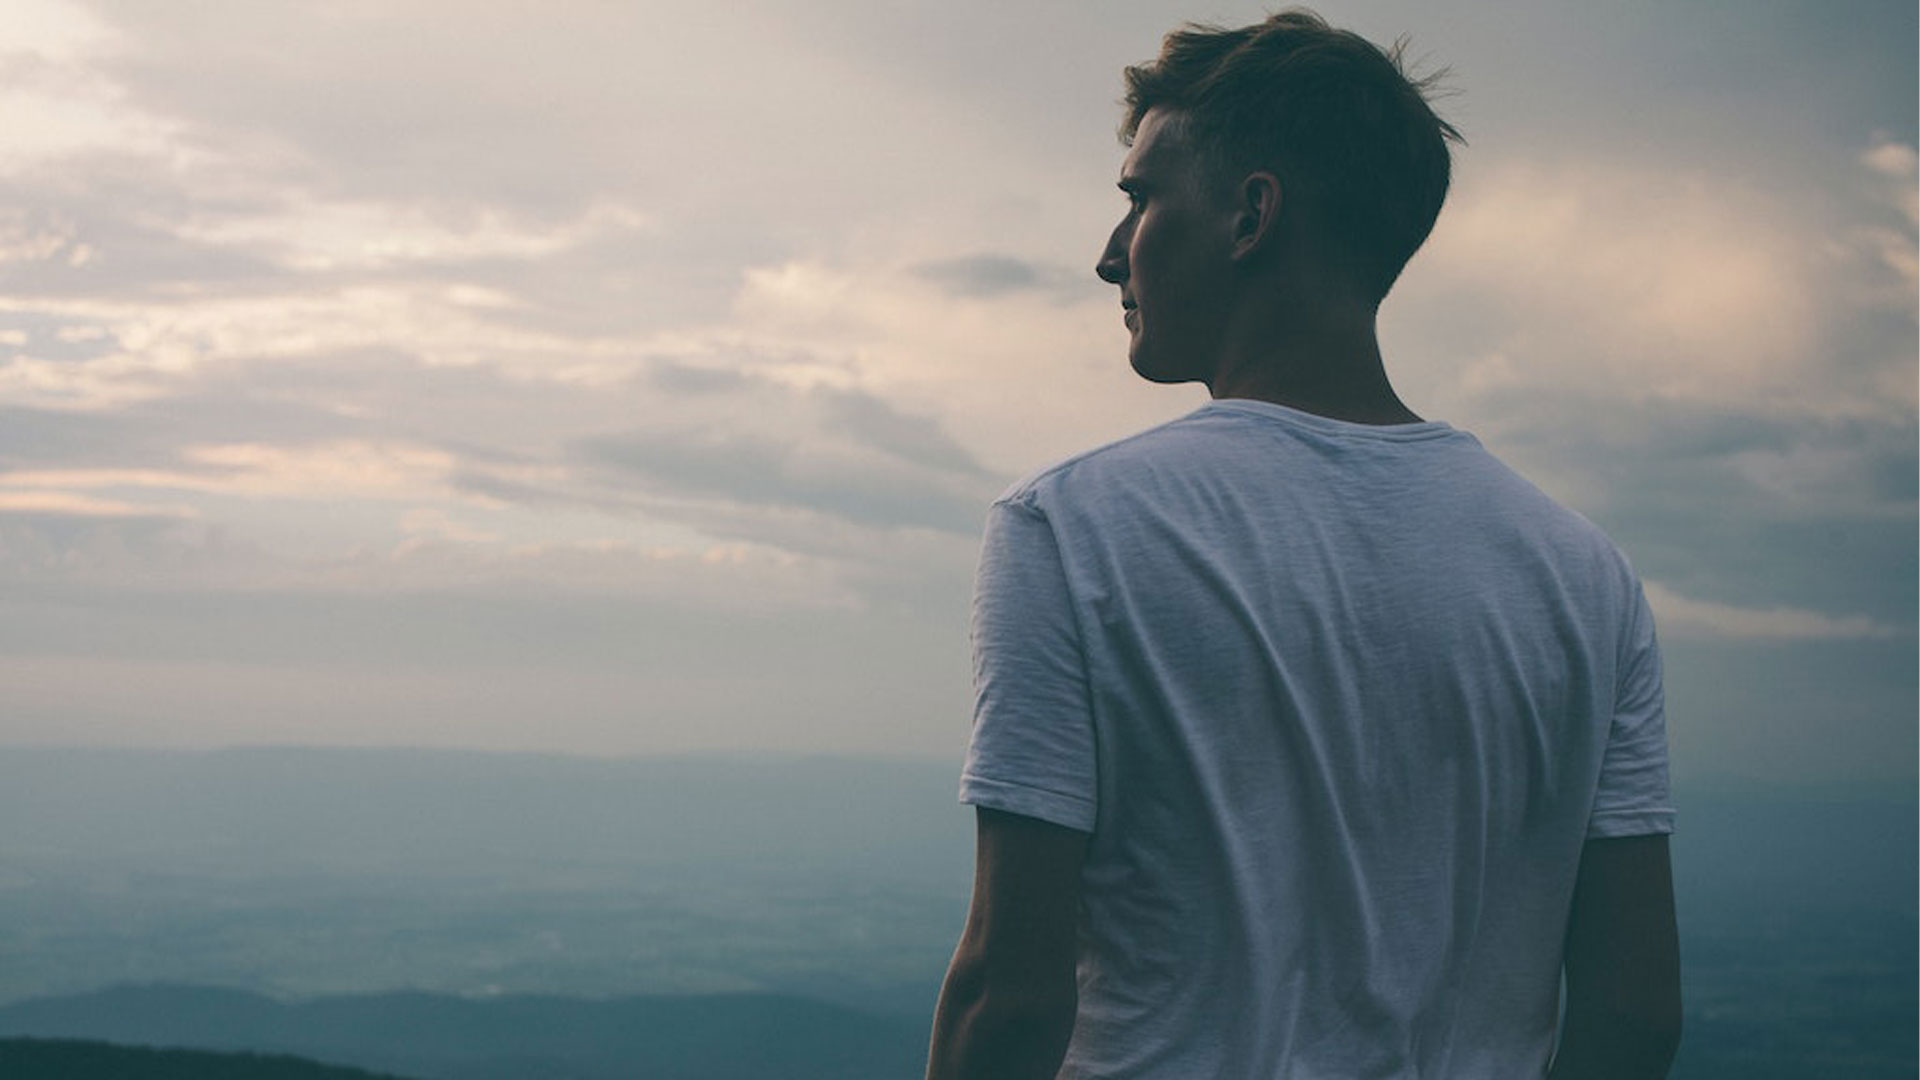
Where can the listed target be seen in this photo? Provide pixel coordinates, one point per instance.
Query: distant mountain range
(437, 1037)
(72, 1059)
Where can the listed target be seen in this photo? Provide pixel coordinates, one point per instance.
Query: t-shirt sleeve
(1032, 751)
(1633, 797)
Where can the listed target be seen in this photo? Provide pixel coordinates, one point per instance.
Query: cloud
(446, 555)
(725, 318)
(1682, 615)
(23, 239)
(985, 275)
(1719, 459)
(1619, 280)
(1675, 286)
(1021, 378)
(112, 226)
(420, 106)
(323, 471)
(87, 553)
(829, 479)
(1760, 509)
(1896, 169)
(917, 440)
(158, 347)
(328, 236)
(826, 450)
(432, 524)
(50, 540)
(1899, 163)
(351, 470)
(79, 505)
(362, 469)
(54, 101)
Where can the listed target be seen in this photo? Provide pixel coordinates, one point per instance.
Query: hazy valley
(760, 885)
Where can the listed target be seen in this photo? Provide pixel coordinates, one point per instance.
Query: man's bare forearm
(981, 1031)
(1008, 1006)
(1617, 1047)
(1622, 964)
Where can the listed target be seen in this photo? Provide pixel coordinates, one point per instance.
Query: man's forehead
(1159, 145)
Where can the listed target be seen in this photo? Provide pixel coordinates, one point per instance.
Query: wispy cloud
(81, 505)
(994, 275)
(1681, 615)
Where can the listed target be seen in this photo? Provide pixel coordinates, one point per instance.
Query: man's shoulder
(1096, 469)
(1228, 442)
(1225, 450)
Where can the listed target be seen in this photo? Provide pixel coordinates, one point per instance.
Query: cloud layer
(637, 380)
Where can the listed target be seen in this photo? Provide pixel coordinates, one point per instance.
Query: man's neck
(1330, 368)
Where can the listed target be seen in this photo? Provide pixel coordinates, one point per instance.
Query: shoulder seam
(1023, 488)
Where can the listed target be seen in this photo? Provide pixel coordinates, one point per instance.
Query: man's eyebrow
(1128, 184)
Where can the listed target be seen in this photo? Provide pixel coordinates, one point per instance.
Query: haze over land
(331, 878)
(302, 874)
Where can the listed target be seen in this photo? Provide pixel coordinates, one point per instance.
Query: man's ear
(1256, 222)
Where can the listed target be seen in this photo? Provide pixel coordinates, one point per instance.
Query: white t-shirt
(1339, 705)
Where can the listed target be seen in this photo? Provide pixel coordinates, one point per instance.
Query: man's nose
(1112, 267)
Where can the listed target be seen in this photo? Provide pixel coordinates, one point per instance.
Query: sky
(631, 378)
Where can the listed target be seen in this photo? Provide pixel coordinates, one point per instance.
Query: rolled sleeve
(1633, 797)
(1033, 747)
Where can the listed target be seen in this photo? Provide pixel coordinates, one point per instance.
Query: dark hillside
(67, 1059)
(437, 1037)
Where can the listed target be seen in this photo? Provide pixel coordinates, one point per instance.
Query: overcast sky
(632, 377)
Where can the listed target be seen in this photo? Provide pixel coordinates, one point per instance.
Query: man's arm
(1007, 1009)
(1623, 964)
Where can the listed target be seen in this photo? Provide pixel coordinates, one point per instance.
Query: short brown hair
(1358, 149)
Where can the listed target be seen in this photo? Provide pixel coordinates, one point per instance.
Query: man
(1310, 741)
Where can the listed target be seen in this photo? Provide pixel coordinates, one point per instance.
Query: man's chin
(1148, 368)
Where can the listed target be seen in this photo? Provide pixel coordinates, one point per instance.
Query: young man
(1310, 741)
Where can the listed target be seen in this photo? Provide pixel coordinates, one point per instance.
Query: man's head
(1317, 129)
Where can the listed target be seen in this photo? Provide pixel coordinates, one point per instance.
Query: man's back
(1309, 741)
(1338, 705)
